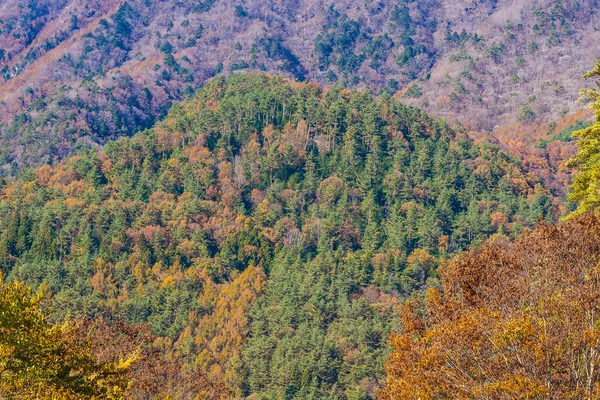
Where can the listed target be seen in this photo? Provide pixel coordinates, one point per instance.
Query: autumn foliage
(513, 321)
(262, 230)
(155, 374)
(42, 360)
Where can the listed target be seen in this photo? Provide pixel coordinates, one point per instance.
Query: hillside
(78, 73)
(266, 229)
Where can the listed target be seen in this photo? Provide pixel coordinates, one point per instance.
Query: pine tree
(44, 361)
(586, 184)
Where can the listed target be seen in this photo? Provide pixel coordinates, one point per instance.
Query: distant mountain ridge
(76, 73)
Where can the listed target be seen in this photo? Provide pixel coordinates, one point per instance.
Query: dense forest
(261, 236)
(345, 200)
(75, 74)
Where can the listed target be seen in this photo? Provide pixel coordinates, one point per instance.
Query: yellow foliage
(39, 360)
(220, 333)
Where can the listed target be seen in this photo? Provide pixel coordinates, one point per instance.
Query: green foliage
(585, 187)
(400, 19)
(409, 53)
(495, 51)
(238, 65)
(275, 50)
(413, 90)
(566, 135)
(345, 201)
(240, 12)
(337, 45)
(377, 50)
(526, 114)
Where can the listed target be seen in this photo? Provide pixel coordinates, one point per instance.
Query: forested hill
(75, 74)
(266, 229)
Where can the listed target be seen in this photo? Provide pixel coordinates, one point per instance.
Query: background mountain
(76, 73)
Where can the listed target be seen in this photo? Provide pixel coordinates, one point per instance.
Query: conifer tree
(586, 184)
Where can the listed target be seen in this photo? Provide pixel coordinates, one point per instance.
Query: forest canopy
(265, 230)
(41, 360)
(585, 187)
(513, 319)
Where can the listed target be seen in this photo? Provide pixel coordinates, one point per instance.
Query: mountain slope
(78, 73)
(266, 228)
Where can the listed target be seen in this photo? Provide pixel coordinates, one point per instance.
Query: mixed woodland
(201, 211)
(262, 238)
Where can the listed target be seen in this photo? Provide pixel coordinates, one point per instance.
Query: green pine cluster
(343, 202)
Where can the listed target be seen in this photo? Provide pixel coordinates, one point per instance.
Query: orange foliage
(513, 321)
(221, 332)
(154, 375)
